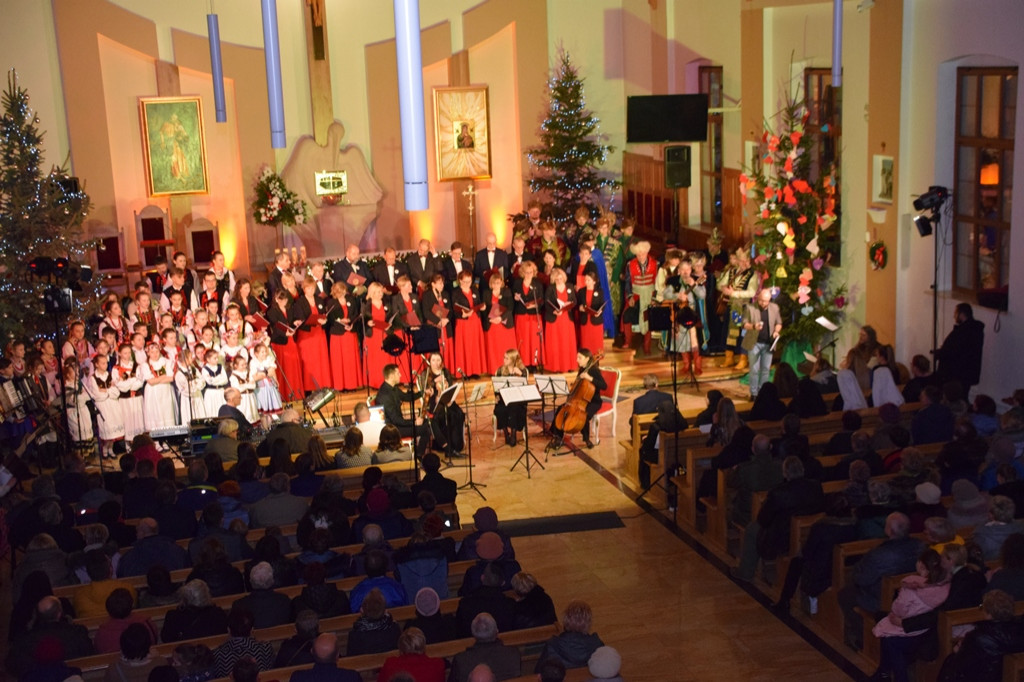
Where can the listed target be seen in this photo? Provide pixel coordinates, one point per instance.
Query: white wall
(938, 36)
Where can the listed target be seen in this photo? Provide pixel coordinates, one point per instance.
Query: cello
(573, 414)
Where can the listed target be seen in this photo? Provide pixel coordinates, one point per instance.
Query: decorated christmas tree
(41, 216)
(565, 163)
(795, 229)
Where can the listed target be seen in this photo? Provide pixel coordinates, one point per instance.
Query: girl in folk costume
(76, 402)
(232, 348)
(738, 292)
(470, 349)
(559, 330)
(158, 404)
(377, 318)
(138, 345)
(77, 346)
(437, 312)
(346, 361)
(529, 299)
(234, 321)
(188, 379)
(163, 323)
(144, 313)
(667, 276)
(215, 380)
(686, 293)
(246, 301)
(698, 265)
(101, 387)
(130, 388)
(212, 309)
(170, 348)
(511, 419)
(113, 319)
(407, 306)
(264, 372)
(181, 316)
(282, 342)
(590, 313)
(16, 354)
(309, 317)
(225, 278)
(208, 338)
(246, 385)
(51, 366)
(194, 335)
(640, 275)
(497, 322)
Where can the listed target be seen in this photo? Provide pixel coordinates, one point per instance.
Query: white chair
(609, 402)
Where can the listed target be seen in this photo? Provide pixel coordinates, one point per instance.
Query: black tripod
(669, 471)
(527, 458)
(470, 484)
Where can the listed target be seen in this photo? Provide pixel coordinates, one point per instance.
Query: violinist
(587, 371)
(684, 292)
(447, 422)
(511, 419)
(391, 397)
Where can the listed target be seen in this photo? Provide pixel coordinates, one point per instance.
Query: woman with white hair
(196, 617)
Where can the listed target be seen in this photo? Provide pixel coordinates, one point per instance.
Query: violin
(573, 414)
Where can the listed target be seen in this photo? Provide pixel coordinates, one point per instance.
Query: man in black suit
(350, 264)
(649, 401)
(282, 264)
(455, 266)
(389, 270)
(444, 489)
(390, 397)
(490, 258)
(516, 257)
(229, 410)
(422, 265)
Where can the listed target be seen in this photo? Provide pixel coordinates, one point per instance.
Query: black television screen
(667, 118)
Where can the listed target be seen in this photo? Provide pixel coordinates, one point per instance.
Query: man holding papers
(762, 323)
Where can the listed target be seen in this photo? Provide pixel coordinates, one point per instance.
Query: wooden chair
(609, 402)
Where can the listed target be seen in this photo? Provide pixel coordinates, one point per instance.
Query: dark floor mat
(570, 523)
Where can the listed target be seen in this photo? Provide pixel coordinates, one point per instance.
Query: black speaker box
(677, 166)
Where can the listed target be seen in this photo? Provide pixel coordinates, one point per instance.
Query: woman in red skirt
(559, 330)
(377, 317)
(496, 319)
(436, 300)
(282, 342)
(342, 320)
(406, 306)
(590, 313)
(470, 350)
(309, 316)
(529, 297)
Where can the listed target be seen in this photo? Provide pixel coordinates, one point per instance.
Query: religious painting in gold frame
(462, 135)
(174, 145)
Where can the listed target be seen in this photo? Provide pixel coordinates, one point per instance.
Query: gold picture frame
(174, 145)
(462, 133)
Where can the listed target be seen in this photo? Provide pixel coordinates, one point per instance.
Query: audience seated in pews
(253, 488)
(136, 660)
(390, 448)
(52, 631)
(151, 548)
(306, 482)
(436, 626)
(325, 663)
(194, 662)
(485, 520)
(533, 606)
(272, 548)
(889, 417)
(195, 617)
(1010, 575)
(398, 492)
(980, 656)
(841, 441)
(423, 562)
(280, 507)
(1010, 484)
(268, 608)
(927, 504)
(213, 567)
(298, 649)
(444, 489)
(374, 631)
(856, 490)
(489, 549)
(200, 491)
(762, 472)
(1001, 452)
(504, 662)
(934, 422)
(488, 597)
(413, 660)
(768, 535)
(41, 555)
(871, 516)
(109, 514)
(576, 643)
(319, 596)
(139, 498)
(376, 565)
(373, 539)
(897, 554)
(212, 526)
(119, 607)
(920, 376)
(175, 522)
(336, 565)
(991, 535)
(767, 405)
(860, 449)
(969, 507)
(808, 402)
(353, 453)
(90, 599)
(962, 457)
(289, 429)
(939, 532)
(241, 644)
(379, 511)
(159, 589)
(707, 415)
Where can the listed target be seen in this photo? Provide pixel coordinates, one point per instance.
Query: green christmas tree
(39, 218)
(565, 163)
(796, 228)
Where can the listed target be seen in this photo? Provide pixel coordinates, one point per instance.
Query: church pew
(456, 573)
(1013, 667)
(640, 424)
(529, 642)
(571, 675)
(94, 667)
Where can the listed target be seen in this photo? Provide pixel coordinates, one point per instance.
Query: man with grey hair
(649, 401)
(1001, 525)
(269, 608)
(373, 538)
(762, 321)
(897, 554)
(225, 445)
(151, 549)
(325, 664)
(229, 410)
(290, 430)
(280, 507)
(504, 662)
(768, 536)
(49, 623)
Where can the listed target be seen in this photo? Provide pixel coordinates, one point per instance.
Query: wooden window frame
(712, 180)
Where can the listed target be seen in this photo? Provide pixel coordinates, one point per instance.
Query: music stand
(514, 395)
(501, 383)
(445, 400)
(478, 393)
(555, 386)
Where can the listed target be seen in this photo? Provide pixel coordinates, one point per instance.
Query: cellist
(587, 371)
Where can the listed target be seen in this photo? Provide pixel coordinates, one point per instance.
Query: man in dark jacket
(325, 668)
(490, 258)
(151, 549)
(898, 554)
(980, 658)
(489, 597)
(295, 434)
(175, 522)
(768, 536)
(444, 489)
(390, 397)
(50, 623)
(298, 650)
(649, 401)
(269, 608)
(934, 422)
(959, 358)
(235, 545)
(504, 661)
(761, 472)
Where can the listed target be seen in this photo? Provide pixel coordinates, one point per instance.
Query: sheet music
(520, 394)
(450, 394)
(478, 393)
(551, 384)
(500, 383)
(826, 323)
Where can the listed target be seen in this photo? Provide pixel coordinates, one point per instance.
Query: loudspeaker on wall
(677, 166)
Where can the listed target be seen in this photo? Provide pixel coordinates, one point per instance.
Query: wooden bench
(95, 666)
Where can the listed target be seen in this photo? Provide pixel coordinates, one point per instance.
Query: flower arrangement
(275, 204)
(796, 221)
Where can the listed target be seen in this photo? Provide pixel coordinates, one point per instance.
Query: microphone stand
(470, 485)
(540, 327)
(366, 354)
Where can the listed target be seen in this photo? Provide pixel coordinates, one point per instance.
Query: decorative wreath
(879, 254)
